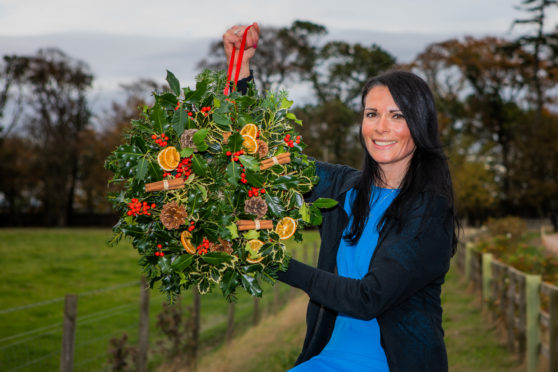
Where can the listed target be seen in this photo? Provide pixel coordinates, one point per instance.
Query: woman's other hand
(232, 38)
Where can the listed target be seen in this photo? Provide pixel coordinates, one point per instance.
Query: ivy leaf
(141, 169)
(285, 103)
(179, 121)
(315, 215)
(186, 152)
(324, 203)
(252, 234)
(182, 262)
(235, 141)
(304, 212)
(174, 84)
(233, 173)
(234, 230)
(199, 139)
(158, 118)
(249, 162)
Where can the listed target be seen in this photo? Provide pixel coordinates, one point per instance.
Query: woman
(386, 247)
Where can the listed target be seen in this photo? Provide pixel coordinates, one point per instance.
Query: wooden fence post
(486, 278)
(468, 256)
(230, 323)
(143, 333)
(553, 331)
(68, 333)
(533, 304)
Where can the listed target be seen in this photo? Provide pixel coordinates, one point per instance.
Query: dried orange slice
(285, 228)
(249, 130)
(253, 248)
(172, 157)
(186, 243)
(250, 144)
(161, 159)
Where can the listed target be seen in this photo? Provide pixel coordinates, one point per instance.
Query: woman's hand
(232, 38)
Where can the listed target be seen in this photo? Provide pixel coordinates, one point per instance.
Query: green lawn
(42, 265)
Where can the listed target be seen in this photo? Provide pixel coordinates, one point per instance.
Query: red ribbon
(238, 63)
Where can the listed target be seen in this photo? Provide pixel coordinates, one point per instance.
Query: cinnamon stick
(164, 185)
(283, 158)
(244, 225)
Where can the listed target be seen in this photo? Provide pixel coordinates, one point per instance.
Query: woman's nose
(382, 124)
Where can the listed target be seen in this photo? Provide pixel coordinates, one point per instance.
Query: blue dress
(355, 344)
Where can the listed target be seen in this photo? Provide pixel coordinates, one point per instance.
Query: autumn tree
(56, 115)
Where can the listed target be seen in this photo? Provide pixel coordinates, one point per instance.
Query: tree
(11, 77)
(544, 75)
(56, 87)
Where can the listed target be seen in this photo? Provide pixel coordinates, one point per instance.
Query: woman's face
(386, 134)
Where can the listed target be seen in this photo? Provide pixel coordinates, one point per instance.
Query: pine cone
(223, 246)
(187, 139)
(262, 148)
(173, 215)
(256, 206)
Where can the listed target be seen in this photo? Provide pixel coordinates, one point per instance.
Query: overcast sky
(124, 40)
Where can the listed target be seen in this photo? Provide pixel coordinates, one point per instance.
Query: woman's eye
(398, 116)
(371, 114)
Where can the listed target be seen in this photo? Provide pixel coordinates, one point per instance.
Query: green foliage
(216, 190)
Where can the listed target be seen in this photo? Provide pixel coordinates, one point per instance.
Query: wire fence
(97, 323)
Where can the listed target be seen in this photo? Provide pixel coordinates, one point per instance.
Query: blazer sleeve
(397, 272)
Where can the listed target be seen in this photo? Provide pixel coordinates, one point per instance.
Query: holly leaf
(158, 118)
(254, 179)
(315, 215)
(249, 162)
(179, 120)
(174, 84)
(274, 204)
(235, 142)
(182, 262)
(233, 173)
(216, 258)
(199, 166)
(141, 169)
(251, 285)
(222, 121)
(324, 203)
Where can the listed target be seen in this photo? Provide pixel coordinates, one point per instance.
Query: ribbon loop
(238, 63)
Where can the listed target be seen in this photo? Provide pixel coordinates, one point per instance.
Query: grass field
(42, 265)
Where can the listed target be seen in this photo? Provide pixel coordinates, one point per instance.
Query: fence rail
(527, 307)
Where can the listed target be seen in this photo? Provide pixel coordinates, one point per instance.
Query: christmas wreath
(209, 186)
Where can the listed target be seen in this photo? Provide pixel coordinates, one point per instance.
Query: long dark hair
(428, 168)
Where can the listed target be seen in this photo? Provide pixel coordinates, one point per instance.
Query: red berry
(242, 175)
(162, 254)
(262, 191)
(157, 253)
(130, 213)
(235, 158)
(190, 114)
(154, 136)
(229, 153)
(297, 141)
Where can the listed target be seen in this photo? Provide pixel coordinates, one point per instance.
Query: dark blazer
(401, 289)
